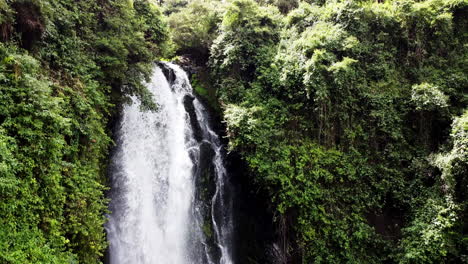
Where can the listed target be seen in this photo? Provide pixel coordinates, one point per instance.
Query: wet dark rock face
(188, 65)
(255, 229)
(190, 108)
(204, 174)
(168, 72)
(205, 178)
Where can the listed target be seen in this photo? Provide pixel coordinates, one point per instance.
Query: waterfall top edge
(176, 76)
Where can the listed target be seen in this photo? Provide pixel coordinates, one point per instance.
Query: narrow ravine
(162, 209)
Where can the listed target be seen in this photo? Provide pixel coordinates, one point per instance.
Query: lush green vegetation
(64, 67)
(352, 116)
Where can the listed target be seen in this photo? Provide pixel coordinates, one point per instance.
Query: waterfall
(170, 199)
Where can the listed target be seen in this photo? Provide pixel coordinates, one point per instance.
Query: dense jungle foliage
(64, 67)
(350, 115)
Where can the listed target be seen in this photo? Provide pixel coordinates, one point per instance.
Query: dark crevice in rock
(168, 72)
(190, 109)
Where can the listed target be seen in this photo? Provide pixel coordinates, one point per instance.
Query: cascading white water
(155, 215)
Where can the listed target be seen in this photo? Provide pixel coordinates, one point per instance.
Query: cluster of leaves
(337, 108)
(57, 93)
(194, 27)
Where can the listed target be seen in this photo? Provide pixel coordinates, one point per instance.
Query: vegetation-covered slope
(64, 66)
(351, 115)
